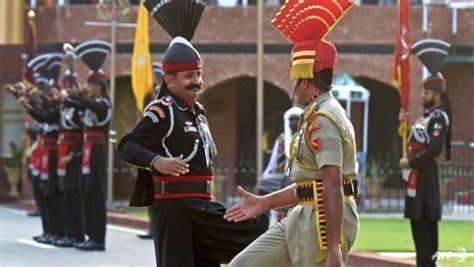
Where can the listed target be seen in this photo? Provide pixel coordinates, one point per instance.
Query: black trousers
(94, 195)
(425, 235)
(74, 213)
(53, 209)
(95, 215)
(192, 232)
(45, 214)
(35, 186)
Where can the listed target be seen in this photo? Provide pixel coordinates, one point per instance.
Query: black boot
(35, 213)
(145, 236)
(90, 245)
(38, 237)
(46, 239)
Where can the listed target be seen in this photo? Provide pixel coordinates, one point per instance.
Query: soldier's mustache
(193, 87)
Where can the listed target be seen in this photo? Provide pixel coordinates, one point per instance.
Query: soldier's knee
(239, 261)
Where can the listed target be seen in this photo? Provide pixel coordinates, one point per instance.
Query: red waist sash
(172, 187)
(90, 138)
(66, 140)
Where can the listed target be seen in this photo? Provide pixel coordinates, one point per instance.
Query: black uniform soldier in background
(98, 113)
(33, 130)
(69, 156)
(45, 111)
(428, 136)
(174, 149)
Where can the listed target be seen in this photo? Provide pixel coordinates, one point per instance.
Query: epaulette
(164, 100)
(439, 113)
(153, 107)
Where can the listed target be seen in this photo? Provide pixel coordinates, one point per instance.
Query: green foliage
(16, 156)
(381, 168)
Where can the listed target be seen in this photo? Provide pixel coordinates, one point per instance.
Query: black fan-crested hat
(179, 18)
(93, 53)
(433, 53)
(39, 67)
(70, 57)
(53, 68)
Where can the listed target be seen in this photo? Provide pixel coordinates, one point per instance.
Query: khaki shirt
(325, 137)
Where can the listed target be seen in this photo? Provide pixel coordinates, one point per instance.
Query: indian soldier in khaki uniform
(321, 229)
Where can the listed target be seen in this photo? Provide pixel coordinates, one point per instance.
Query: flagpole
(260, 89)
(112, 137)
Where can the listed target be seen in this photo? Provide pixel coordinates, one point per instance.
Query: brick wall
(360, 33)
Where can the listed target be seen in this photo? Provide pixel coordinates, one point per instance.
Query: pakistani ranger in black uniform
(429, 135)
(174, 149)
(69, 156)
(97, 116)
(47, 68)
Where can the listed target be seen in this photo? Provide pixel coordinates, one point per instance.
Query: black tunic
(176, 133)
(97, 116)
(71, 122)
(187, 231)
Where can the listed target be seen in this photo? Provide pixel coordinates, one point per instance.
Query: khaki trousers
(293, 241)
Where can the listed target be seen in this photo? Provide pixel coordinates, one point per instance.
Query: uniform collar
(323, 97)
(429, 111)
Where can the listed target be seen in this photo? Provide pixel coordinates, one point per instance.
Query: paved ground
(18, 249)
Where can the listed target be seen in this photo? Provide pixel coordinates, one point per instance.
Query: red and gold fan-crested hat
(305, 24)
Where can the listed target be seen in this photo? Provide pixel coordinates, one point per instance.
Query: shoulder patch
(151, 115)
(158, 110)
(316, 144)
(314, 126)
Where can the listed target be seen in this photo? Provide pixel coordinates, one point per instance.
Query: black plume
(40, 70)
(177, 17)
(432, 53)
(53, 65)
(93, 53)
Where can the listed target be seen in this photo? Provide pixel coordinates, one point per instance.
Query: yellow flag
(142, 74)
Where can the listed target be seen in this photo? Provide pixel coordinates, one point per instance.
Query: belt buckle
(163, 191)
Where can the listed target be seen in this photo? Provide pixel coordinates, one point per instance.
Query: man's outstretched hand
(247, 209)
